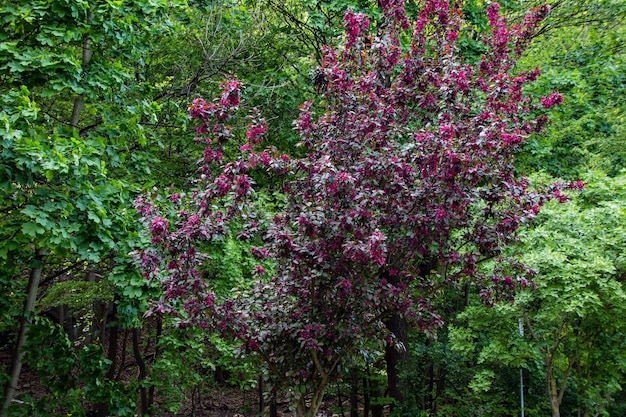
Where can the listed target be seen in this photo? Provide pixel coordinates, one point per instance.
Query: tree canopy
(380, 191)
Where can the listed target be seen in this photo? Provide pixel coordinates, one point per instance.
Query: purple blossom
(453, 36)
(562, 198)
(223, 184)
(377, 247)
(355, 23)
(398, 161)
(158, 227)
(255, 133)
(511, 139)
(243, 185)
(440, 213)
(552, 100)
(231, 96)
(198, 108)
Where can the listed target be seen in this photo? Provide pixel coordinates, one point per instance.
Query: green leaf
(32, 229)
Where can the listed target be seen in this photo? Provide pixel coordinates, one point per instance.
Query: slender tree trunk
(143, 394)
(354, 394)
(29, 307)
(103, 409)
(553, 393)
(395, 357)
(78, 101)
(61, 314)
(430, 382)
(261, 393)
(340, 400)
(273, 406)
(157, 353)
(123, 358)
(91, 336)
(440, 384)
(366, 394)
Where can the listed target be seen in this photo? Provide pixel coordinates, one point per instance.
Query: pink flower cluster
(377, 247)
(552, 100)
(231, 95)
(199, 108)
(159, 228)
(355, 23)
(255, 133)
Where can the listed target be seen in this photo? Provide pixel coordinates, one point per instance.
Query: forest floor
(217, 401)
(214, 399)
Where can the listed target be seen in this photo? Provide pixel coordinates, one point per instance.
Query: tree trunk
(366, 394)
(440, 385)
(102, 408)
(273, 405)
(78, 101)
(143, 394)
(29, 307)
(394, 357)
(429, 372)
(157, 354)
(302, 410)
(261, 393)
(354, 394)
(553, 393)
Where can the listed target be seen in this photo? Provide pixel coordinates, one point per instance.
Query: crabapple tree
(407, 183)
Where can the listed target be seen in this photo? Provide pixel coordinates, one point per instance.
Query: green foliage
(573, 318)
(75, 112)
(584, 60)
(183, 366)
(69, 188)
(77, 295)
(61, 186)
(74, 381)
(242, 370)
(133, 292)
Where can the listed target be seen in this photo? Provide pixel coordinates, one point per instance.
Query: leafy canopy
(408, 182)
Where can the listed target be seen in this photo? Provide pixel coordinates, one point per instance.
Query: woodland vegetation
(414, 208)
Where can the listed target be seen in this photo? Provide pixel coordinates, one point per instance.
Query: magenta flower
(231, 97)
(560, 196)
(159, 227)
(198, 108)
(223, 184)
(354, 23)
(255, 134)
(552, 100)
(453, 36)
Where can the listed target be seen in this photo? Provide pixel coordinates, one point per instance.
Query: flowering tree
(408, 182)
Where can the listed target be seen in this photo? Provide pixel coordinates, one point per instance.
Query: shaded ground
(215, 402)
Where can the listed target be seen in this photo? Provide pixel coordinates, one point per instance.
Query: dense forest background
(95, 119)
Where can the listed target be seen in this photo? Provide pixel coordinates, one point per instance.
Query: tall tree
(408, 183)
(71, 124)
(572, 317)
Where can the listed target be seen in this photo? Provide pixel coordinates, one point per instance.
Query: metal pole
(521, 372)
(521, 389)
